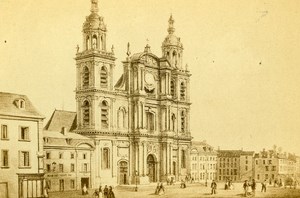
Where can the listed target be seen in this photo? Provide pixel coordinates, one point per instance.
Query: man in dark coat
(105, 191)
(213, 187)
(253, 187)
(110, 194)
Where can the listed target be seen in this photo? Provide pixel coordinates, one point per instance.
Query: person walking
(246, 187)
(264, 186)
(105, 192)
(110, 193)
(157, 188)
(213, 187)
(100, 192)
(253, 187)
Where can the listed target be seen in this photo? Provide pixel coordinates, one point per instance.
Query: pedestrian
(161, 189)
(100, 192)
(110, 193)
(105, 192)
(253, 187)
(46, 191)
(84, 190)
(182, 184)
(96, 193)
(246, 187)
(157, 188)
(264, 186)
(213, 187)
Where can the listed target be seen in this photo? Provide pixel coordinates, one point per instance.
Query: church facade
(140, 125)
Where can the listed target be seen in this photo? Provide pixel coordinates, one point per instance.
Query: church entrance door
(123, 173)
(151, 168)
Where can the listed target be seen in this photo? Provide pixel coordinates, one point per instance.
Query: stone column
(114, 158)
(141, 159)
(97, 158)
(144, 159)
(92, 110)
(179, 160)
(167, 150)
(171, 158)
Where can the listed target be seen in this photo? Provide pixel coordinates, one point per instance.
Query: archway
(151, 168)
(123, 173)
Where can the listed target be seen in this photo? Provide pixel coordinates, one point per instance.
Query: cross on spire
(94, 6)
(171, 28)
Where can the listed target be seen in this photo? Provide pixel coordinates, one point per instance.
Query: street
(192, 191)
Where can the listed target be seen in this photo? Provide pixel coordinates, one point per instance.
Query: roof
(229, 153)
(60, 119)
(9, 105)
(57, 134)
(203, 147)
(55, 138)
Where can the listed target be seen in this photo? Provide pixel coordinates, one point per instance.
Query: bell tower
(172, 48)
(95, 67)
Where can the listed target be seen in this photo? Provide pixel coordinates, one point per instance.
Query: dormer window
(20, 103)
(68, 140)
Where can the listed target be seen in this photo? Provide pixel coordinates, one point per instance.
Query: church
(140, 125)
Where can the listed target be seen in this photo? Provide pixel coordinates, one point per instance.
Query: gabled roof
(60, 119)
(55, 138)
(9, 105)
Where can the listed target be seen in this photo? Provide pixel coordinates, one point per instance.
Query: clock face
(149, 79)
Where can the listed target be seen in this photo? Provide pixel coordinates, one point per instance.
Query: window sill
(24, 167)
(5, 139)
(4, 167)
(24, 140)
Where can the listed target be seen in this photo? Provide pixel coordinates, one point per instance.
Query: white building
(21, 162)
(69, 159)
(203, 162)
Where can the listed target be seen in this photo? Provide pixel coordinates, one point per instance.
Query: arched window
(121, 118)
(150, 121)
(87, 43)
(182, 121)
(102, 44)
(175, 58)
(173, 122)
(105, 158)
(182, 91)
(86, 113)
(85, 77)
(172, 88)
(104, 115)
(103, 77)
(94, 42)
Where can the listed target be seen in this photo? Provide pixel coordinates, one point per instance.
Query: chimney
(63, 130)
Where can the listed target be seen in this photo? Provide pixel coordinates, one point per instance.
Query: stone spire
(171, 28)
(94, 6)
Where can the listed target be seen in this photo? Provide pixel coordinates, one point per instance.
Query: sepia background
(244, 57)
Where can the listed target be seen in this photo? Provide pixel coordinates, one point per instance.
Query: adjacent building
(69, 159)
(266, 166)
(203, 162)
(235, 165)
(21, 147)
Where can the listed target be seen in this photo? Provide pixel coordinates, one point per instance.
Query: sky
(244, 57)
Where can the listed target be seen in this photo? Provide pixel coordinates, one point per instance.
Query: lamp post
(136, 188)
(206, 178)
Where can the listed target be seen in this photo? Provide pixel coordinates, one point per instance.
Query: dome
(171, 39)
(94, 21)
